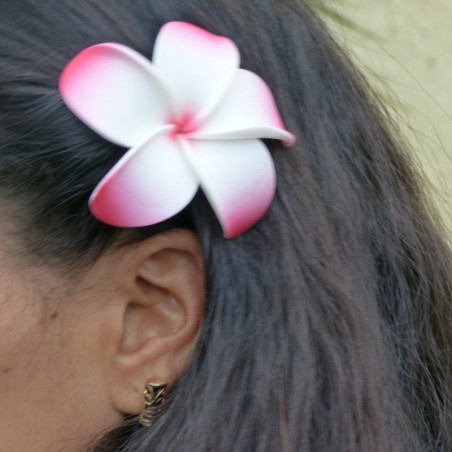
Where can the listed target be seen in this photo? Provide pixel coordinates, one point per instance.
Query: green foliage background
(404, 47)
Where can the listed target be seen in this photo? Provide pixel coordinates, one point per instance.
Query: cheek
(22, 344)
(20, 320)
(46, 367)
(37, 367)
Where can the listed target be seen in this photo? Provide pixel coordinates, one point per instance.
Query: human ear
(161, 305)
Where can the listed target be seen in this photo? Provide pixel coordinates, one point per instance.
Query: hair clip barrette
(191, 118)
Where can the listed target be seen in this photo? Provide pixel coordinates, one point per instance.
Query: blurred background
(405, 48)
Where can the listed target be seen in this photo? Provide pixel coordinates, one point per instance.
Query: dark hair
(328, 324)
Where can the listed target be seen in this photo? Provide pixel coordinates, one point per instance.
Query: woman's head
(322, 327)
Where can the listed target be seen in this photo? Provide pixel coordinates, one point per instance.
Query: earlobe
(162, 315)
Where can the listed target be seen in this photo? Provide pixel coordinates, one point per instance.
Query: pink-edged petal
(151, 183)
(247, 110)
(115, 91)
(237, 177)
(197, 67)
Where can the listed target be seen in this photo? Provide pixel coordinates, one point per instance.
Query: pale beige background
(410, 60)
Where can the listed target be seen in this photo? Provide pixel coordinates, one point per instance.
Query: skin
(75, 355)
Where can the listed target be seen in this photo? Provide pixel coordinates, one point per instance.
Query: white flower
(190, 118)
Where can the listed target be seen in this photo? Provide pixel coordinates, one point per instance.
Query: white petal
(115, 91)
(247, 110)
(237, 177)
(151, 183)
(197, 67)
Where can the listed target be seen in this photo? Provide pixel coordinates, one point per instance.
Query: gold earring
(154, 396)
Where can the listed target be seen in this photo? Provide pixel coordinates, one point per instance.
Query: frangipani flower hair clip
(190, 117)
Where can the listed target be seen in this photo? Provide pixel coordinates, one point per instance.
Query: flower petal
(151, 183)
(115, 91)
(197, 67)
(237, 177)
(247, 110)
